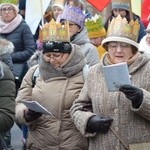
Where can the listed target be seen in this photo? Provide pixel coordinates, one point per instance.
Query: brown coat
(132, 125)
(55, 90)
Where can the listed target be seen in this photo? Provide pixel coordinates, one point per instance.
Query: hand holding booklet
(116, 75)
(35, 106)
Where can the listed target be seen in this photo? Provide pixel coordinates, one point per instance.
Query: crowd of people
(61, 68)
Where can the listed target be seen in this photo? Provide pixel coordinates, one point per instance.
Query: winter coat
(7, 98)
(55, 90)
(88, 49)
(132, 125)
(23, 41)
(6, 48)
(24, 44)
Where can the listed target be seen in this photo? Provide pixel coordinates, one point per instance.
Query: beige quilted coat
(55, 90)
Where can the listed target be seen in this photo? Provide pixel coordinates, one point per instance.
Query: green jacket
(7, 98)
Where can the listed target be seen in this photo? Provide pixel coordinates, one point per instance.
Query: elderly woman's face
(8, 13)
(55, 59)
(119, 51)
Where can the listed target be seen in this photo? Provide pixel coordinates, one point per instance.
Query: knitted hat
(11, 4)
(57, 47)
(55, 37)
(120, 30)
(58, 3)
(95, 27)
(121, 4)
(73, 14)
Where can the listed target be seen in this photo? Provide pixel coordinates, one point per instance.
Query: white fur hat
(58, 3)
(12, 5)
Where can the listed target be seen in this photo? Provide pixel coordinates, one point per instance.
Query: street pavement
(16, 135)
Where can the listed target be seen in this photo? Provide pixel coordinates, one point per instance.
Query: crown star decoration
(54, 31)
(121, 28)
(95, 27)
(9, 1)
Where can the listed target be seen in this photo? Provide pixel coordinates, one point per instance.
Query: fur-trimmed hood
(6, 46)
(1, 70)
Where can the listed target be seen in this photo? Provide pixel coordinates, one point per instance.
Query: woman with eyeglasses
(58, 84)
(14, 28)
(118, 120)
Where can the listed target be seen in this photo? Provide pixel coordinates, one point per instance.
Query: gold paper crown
(54, 31)
(95, 27)
(119, 27)
(9, 1)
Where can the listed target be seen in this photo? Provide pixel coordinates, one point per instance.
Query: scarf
(6, 28)
(74, 63)
(129, 61)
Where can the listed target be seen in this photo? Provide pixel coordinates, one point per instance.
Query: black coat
(25, 46)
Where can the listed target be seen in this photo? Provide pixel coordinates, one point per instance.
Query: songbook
(35, 106)
(116, 75)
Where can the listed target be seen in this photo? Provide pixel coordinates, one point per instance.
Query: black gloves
(133, 93)
(31, 115)
(98, 124)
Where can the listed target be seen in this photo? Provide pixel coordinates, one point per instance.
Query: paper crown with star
(55, 37)
(58, 3)
(120, 30)
(95, 27)
(54, 31)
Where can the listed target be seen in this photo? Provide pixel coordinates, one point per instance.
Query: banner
(136, 7)
(145, 12)
(99, 4)
(34, 12)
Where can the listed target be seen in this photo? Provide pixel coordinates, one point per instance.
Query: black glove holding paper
(31, 115)
(133, 93)
(98, 124)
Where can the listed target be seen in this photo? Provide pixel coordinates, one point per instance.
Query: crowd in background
(70, 80)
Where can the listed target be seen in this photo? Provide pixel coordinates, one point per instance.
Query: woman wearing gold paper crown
(122, 7)
(58, 84)
(96, 32)
(119, 119)
(78, 33)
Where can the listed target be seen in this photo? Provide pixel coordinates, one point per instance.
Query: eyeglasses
(9, 9)
(70, 24)
(53, 56)
(114, 46)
